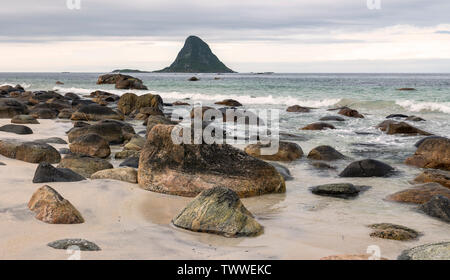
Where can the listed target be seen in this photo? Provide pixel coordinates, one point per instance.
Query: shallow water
(131, 223)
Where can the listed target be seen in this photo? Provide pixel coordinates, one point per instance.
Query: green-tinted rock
(220, 211)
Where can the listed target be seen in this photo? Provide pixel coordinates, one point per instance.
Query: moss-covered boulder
(220, 211)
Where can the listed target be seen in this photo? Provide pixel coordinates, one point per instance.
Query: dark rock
(193, 79)
(350, 113)
(17, 129)
(51, 140)
(130, 102)
(85, 166)
(418, 143)
(229, 102)
(283, 170)
(367, 168)
(406, 89)
(318, 126)
(438, 206)
(404, 128)
(196, 57)
(95, 112)
(43, 113)
(90, 145)
(400, 116)
(415, 119)
(298, 109)
(45, 173)
(332, 118)
(112, 132)
(341, 190)
(121, 81)
(394, 232)
(72, 96)
(78, 244)
(325, 153)
(220, 211)
(287, 151)
(131, 162)
(64, 151)
(24, 119)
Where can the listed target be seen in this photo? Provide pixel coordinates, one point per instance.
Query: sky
(247, 35)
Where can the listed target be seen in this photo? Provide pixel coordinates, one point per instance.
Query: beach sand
(130, 223)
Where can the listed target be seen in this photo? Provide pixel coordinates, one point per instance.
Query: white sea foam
(416, 106)
(24, 85)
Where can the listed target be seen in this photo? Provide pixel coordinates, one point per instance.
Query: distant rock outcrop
(196, 57)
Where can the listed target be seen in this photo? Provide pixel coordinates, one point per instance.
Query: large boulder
(95, 112)
(188, 169)
(126, 174)
(318, 126)
(438, 206)
(17, 129)
(154, 120)
(121, 81)
(46, 173)
(325, 153)
(127, 103)
(350, 113)
(433, 251)
(24, 119)
(130, 102)
(112, 132)
(32, 152)
(85, 166)
(367, 168)
(394, 232)
(50, 207)
(10, 107)
(419, 194)
(90, 145)
(432, 153)
(220, 211)
(404, 128)
(438, 176)
(287, 151)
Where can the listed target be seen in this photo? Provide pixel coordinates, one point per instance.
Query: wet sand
(130, 223)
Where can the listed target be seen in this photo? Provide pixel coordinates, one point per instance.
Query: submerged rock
(229, 102)
(220, 211)
(340, 190)
(29, 151)
(438, 206)
(46, 173)
(432, 153)
(298, 109)
(90, 145)
(367, 168)
(95, 112)
(287, 151)
(432, 251)
(126, 174)
(438, 176)
(188, 169)
(50, 207)
(392, 231)
(24, 119)
(419, 194)
(283, 170)
(332, 118)
(404, 128)
(83, 165)
(80, 244)
(325, 153)
(400, 116)
(17, 129)
(350, 113)
(318, 126)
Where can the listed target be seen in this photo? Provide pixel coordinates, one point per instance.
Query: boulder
(418, 143)
(432, 251)
(121, 81)
(51, 140)
(438, 176)
(130, 162)
(112, 132)
(193, 79)
(10, 107)
(78, 244)
(395, 116)
(50, 207)
(229, 102)
(188, 169)
(72, 96)
(383, 126)
(325, 153)
(136, 143)
(287, 151)
(127, 154)
(332, 118)
(394, 232)
(90, 145)
(17, 129)
(126, 174)
(24, 119)
(95, 112)
(340, 190)
(127, 103)
(220, 211)
(438, 206)
(154, 120)
(419, 194)
(29, 151)
(83, 165)
(318, 126)
(46, 173)
(404, 128)
(432, 153)
(130, 102)
(350, 113)
(65, 114)
(298, 109)
(180, 103)
(44, 113)
(367, 168)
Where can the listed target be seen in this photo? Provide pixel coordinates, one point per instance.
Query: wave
(416, 106)
(24, 85)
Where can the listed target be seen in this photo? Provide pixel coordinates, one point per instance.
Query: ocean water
(298, 219)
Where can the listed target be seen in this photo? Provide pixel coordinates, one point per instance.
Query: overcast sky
(247, 35)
